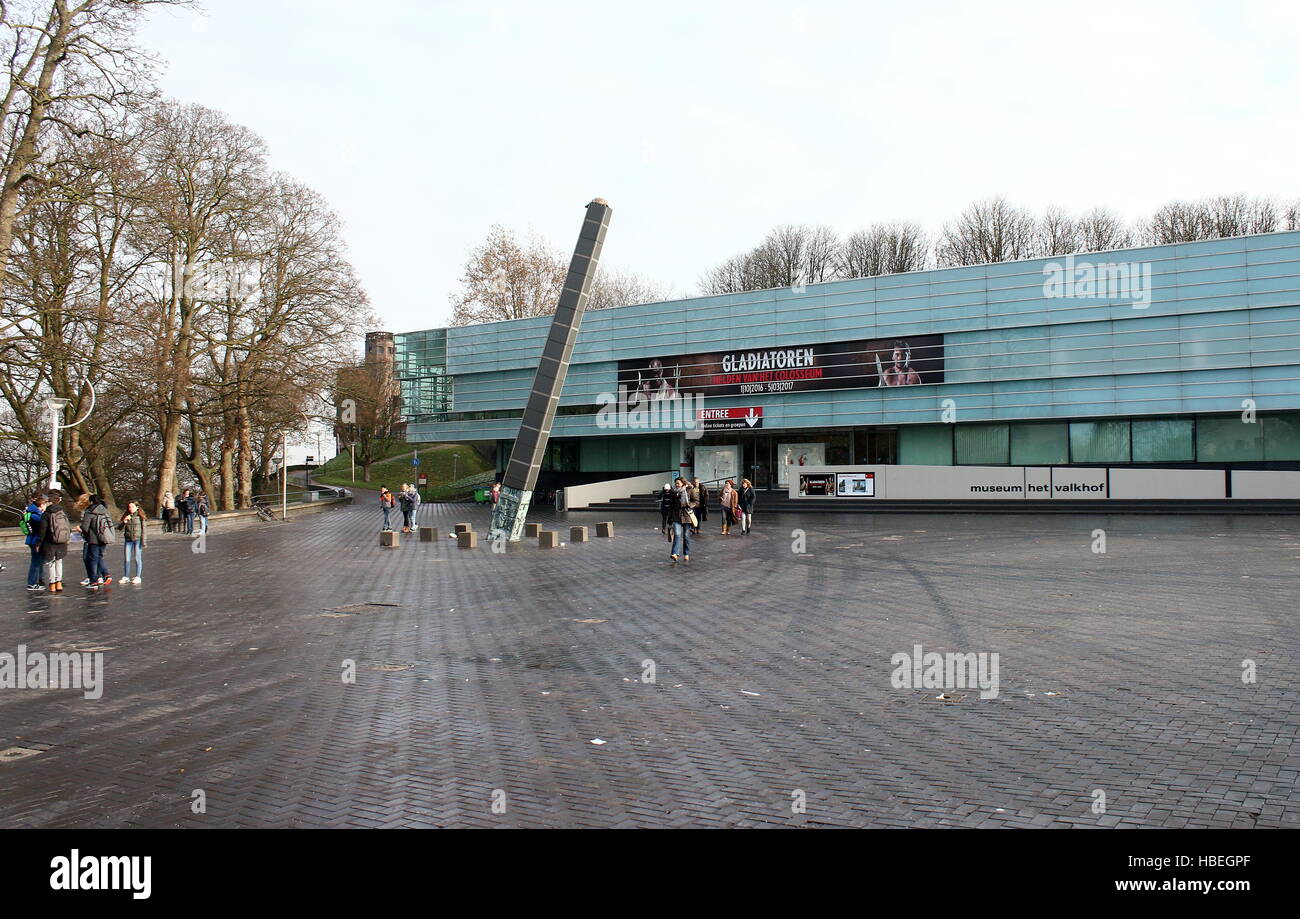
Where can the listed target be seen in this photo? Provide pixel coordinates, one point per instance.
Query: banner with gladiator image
(875, 362)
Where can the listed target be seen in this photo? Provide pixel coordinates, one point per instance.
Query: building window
(1282, 437)
(1040, 444)
(928, 445)
(982, 444)
(1229, 439)
(1165, 440)
(1099, 442)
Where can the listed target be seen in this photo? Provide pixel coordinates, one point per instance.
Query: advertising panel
(792, 456)
(871, 362)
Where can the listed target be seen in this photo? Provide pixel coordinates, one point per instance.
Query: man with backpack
(30, 527)
(53, 532)
(97, 530)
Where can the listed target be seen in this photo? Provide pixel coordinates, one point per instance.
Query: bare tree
(611, 288)
(1101, 230)
(504, 279)
(1058, 233)
(63, 59)
(1213, 218)
(992, 230)
(884, 248)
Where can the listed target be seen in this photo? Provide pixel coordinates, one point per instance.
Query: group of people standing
(684, 505)
(408, 499)
(48, 531)
(186, 513)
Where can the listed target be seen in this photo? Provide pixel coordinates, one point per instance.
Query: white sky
(705, 124)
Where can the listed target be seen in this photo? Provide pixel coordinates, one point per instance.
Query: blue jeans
(34, 569)
(93, 556)
(682, 537)
(203, 523)
(189, 524)
(387, 511)
(134, 552)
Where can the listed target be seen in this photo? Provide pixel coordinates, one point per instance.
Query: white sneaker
(85, 582)
(135, 580)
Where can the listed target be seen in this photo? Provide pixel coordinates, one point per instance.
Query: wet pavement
(751, 689)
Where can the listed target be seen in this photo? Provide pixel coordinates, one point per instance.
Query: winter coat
(95, 525)
(34, 522)
(684, 501)
(133, 529)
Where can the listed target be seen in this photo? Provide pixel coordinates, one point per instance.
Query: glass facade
(421, 368)
(1025, 376)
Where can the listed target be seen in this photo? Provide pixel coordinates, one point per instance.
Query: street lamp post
(56, 407)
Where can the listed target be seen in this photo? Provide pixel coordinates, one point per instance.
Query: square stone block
(532, 529)
(463, 528)
(467, 539)
(605, 528)
(390, 538)
(428, 534)
(548, 539)
(578, 534)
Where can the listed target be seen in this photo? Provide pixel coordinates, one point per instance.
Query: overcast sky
(705, 124)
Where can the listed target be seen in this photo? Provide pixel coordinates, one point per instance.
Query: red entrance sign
(715, 419)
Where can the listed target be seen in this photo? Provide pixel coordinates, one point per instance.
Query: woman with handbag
(728, 500)
(746, 506)
(685, 500)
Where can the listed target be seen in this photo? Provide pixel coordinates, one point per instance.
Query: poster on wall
(792, 456)
(870, 362)
(715, 463)
(855, 484)
(817, 485)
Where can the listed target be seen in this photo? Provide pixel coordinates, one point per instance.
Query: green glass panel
(1165, 440)
(928, 445)
(1228, 439)
(1040, 444)
(982, 444)
(1099, 442)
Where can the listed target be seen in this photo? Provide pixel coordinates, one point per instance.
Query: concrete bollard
(605, 528)
(578, 534)
(467, 539)
(463, 528)
(532, 529)
(548, 539)
(428, 534)
(390, 539)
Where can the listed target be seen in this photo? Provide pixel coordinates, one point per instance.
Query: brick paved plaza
(478, 672)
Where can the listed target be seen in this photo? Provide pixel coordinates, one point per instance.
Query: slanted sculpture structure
(535, 428)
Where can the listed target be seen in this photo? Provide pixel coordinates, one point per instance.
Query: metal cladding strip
(553, 367)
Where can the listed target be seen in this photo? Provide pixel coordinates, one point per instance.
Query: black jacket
(93, 522)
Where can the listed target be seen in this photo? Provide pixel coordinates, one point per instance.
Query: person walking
(665, 509)
(185, 505)
(414, 492)
(201, 511)
(685, 499)
(133, 525)
(97, 531)
(54, 531)
(727, 502)
(408, 507)
(169, 512)
(31, 530)
(702, 515)
(746, 501)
